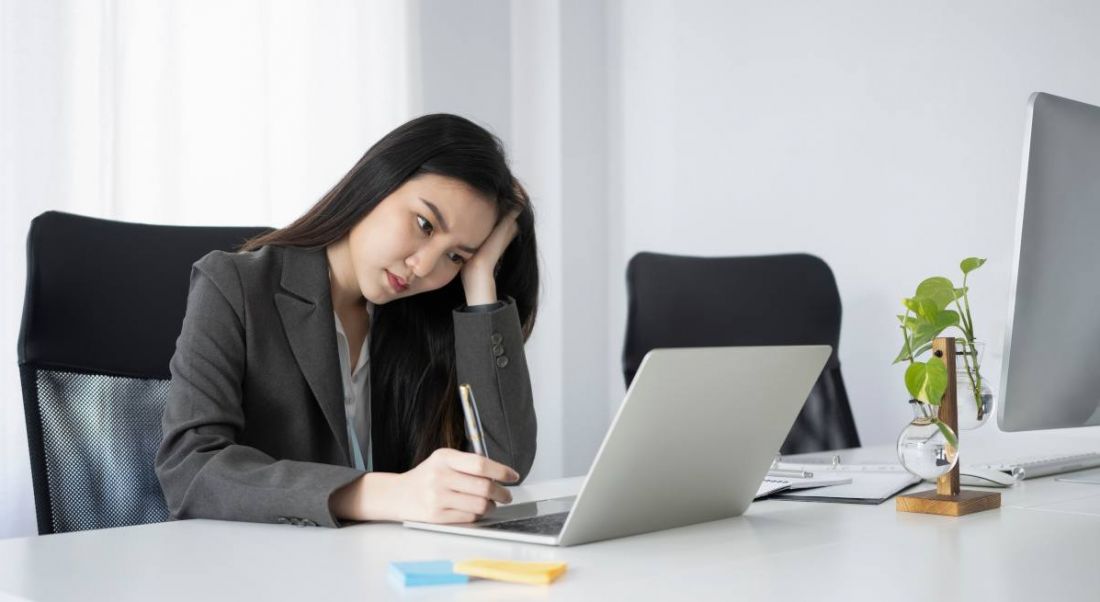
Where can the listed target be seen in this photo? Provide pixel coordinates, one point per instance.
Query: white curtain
(227, 112)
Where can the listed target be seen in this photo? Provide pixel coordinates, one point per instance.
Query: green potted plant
(936, 306)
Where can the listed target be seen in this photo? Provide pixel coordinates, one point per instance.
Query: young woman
(315, 377)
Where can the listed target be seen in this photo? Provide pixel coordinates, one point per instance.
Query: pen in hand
(472, 420)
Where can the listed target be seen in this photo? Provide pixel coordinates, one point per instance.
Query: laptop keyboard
(547, 524)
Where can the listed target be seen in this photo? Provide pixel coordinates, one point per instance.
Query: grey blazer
(254, 427)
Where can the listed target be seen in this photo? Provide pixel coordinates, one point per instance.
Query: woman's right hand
(450, 486)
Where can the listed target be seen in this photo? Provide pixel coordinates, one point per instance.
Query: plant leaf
(903, 354)
(938, 289)
(921, 333)
(909, 321)
(914, 379)
(935, 383)
(918, 342)
(971, 263)
(926, 381)
(935, 283)
(930, 329)
(922, 349)
(924, 307)
(946, 319)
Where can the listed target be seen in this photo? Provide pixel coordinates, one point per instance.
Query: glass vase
(927, 447)
(975, 398)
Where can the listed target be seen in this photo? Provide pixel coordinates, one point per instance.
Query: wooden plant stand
(947, 499)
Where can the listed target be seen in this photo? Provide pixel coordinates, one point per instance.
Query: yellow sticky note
(535, 573)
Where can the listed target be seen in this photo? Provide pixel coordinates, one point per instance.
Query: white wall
(534, 72)
(885, 137)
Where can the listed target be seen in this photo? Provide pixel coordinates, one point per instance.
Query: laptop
(691, 443)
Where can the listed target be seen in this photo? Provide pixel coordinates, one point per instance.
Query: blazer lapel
(305, 306)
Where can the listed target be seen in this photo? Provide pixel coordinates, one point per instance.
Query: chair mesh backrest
(100, 435)
(104, 305)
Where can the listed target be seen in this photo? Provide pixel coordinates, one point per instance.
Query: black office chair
(104, 305)
(725, 301)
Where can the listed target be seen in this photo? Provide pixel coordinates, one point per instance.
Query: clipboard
(773, 485)
(871, 484)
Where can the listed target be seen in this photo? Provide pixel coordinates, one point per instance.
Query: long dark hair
(413, 376)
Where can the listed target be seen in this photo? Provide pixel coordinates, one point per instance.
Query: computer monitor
(1051, 366)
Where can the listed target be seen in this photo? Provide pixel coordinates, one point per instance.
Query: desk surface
(1044, 543)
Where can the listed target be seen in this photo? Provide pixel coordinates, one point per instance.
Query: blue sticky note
(433, 572)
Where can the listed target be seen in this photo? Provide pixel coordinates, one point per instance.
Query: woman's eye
(425, 226)
(456, 258)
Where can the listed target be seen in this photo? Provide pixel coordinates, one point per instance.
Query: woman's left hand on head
(478, 275)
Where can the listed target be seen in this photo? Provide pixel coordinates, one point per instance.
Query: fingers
(520, 192)
(480, 487)
(480, 466)
(470, 504)
(455, 516)
(507, 228)
(459, 487)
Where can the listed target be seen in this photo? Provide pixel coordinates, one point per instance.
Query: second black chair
(677, 301)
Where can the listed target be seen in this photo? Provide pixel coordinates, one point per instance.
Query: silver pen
(472, 420)
(798, 474)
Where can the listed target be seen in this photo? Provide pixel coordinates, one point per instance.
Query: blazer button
(496, 338)
(282, 520)
(308, 523)
(498, 350)
(502, 361)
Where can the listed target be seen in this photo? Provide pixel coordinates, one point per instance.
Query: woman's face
(419, 237)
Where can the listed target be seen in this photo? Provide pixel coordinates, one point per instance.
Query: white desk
(1043, 544)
